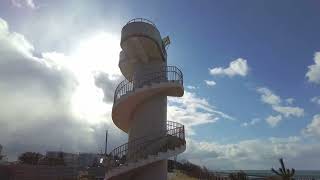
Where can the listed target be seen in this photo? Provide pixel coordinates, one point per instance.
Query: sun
(98, 53)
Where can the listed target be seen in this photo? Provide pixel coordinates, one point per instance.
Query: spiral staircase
(142, 48)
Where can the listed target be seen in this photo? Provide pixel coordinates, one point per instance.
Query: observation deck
(140, 42)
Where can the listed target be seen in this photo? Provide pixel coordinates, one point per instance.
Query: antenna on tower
(166, 41)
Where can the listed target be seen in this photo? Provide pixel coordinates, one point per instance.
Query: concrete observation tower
(140, 106)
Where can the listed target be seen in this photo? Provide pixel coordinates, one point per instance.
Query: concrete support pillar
(149, 118)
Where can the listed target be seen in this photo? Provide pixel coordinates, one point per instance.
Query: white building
(140, 105)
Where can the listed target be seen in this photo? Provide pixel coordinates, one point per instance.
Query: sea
(299, 174)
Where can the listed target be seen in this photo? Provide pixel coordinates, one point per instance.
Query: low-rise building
(87, 159)
(90, 159)
(70, 159)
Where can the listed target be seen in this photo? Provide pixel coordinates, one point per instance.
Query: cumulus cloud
(313, 129)
(288, 111)
(24, 4)
(191, 87)
(192, 110)
(268, 97)
(289, 100)
(210, 83)
(315, 99)
(253, 153)
(254, 121)
(273, 120)
(313, 73)
(13, 44)
(37, 103)
(238, 67)
(275, 101)
(56, 101)
(108, 84)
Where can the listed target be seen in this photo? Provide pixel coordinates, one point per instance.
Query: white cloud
(237, 67)
(254, 153)
(67, 102)
(105, 82)
(275, 101)
(288, 111)
(315, 99)
(267, 96)
(251, 123)
(24, 3)
(273, 120)
(191, 110)
(313, 73)
(13, 44)
(210, 83)
(313, 128)
(191, 87)
(289, 100)
(38, 99)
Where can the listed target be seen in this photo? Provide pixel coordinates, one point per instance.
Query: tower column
(150, 119)
(140, 106)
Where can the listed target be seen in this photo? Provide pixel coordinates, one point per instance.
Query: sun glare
(96, 54)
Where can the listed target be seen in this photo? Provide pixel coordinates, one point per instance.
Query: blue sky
(278, 39)
(272, 44)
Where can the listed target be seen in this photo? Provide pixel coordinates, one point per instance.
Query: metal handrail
(165, 74)
(137, 147)
(141, 20)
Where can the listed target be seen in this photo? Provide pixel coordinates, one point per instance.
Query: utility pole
(106, 145)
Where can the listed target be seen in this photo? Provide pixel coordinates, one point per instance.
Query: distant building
(77, 160)
(70, 159)
(88, 159)
(2, 160)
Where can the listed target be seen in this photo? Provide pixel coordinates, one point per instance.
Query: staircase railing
(140, 148)
(165, 74)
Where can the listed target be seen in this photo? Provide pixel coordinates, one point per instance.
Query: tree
(285, 174)
(31, 158)
(1, 156)
(54, 161)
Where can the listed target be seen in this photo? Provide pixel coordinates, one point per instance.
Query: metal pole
(106, 145)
